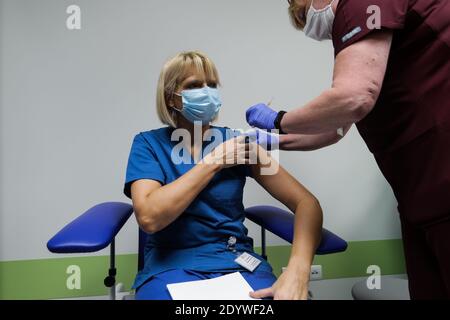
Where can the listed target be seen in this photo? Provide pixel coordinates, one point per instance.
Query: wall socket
(316, 272)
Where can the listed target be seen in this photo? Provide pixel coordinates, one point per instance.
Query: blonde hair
(294, 13)
(174, 72)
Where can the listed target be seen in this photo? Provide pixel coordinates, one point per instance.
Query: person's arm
(358, 77)
(157, 206)
(305, 142)
(293, 283)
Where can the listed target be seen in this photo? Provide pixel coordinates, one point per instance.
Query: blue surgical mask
(201, 105)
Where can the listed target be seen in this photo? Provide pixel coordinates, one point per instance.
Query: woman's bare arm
(305, 142)
(157, 206)
(358, 77)
(308, 222)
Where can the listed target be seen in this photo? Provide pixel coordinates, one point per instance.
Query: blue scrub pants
(156, 287)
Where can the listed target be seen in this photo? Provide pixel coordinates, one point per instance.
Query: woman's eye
(212, 85)
(193, 86)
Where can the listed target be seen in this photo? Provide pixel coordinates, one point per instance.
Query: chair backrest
(142, 242)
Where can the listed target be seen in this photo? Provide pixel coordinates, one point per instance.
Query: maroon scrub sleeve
(353, 20)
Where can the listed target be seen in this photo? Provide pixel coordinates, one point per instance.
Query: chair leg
(110, 280)
(263, 243)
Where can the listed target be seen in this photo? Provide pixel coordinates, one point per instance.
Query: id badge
(248, 261)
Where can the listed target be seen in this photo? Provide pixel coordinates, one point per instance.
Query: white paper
(232, 286)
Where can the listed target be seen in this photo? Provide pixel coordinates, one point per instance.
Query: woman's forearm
(166, 204)
(304, 142)
(333, 109)
(307, 142)
(307, 235)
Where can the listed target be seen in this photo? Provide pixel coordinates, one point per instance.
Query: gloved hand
(261, 116)
(267, 140)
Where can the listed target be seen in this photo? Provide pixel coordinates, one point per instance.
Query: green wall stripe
(387, 254)
(46, 278)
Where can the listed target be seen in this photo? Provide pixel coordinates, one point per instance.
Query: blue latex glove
(267, 140)
(261, 116)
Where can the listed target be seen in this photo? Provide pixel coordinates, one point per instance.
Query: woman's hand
(231, 153)
(291, 285)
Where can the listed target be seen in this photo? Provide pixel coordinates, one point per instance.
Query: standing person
(391, 79)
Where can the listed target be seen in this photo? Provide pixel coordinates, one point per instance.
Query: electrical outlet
(316, 273)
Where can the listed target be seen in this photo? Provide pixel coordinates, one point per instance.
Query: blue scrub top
(198, 239)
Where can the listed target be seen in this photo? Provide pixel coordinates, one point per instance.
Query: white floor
(338, 289)
(334, 289)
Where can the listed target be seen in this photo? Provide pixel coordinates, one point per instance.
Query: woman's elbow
(363, 106)
(316, 205)
(147, 221)
(360, 102)
(313, 204)
(149, 227)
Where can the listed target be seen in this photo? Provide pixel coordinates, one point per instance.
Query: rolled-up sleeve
(142, 164)
(354, 19)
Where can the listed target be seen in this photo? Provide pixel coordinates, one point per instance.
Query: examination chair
(97, 228)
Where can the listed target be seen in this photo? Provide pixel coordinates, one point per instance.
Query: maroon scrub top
(408, 131)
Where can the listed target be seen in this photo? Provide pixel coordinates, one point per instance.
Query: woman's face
(194, 80)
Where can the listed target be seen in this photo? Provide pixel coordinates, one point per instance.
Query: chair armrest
(93, 230)
(281, 223)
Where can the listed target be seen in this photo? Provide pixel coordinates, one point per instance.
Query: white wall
(71, 102)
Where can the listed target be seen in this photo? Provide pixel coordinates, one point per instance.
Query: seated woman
(193, 210)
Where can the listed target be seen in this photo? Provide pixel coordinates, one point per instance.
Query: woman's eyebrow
(193, 81)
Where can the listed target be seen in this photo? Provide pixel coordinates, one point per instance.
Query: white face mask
(319, 23)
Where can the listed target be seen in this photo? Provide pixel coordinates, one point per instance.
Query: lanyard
(244, 259)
